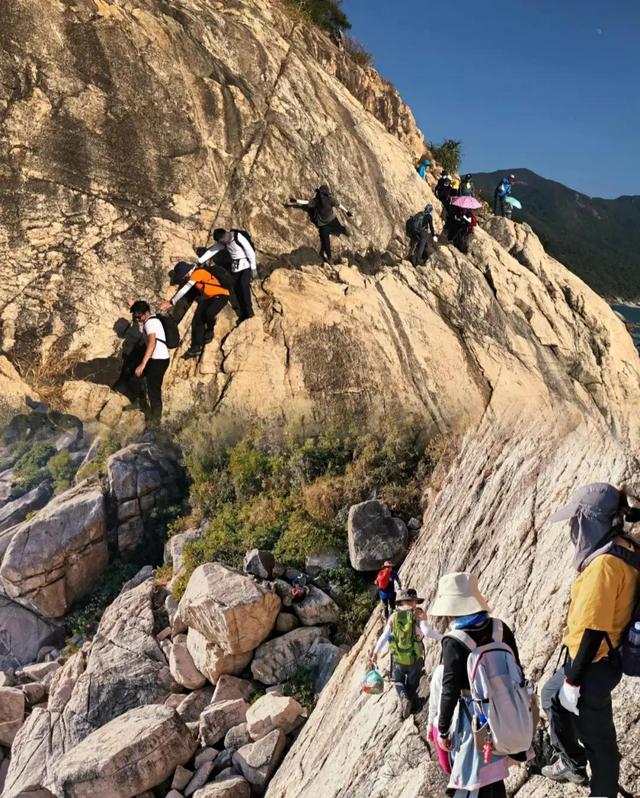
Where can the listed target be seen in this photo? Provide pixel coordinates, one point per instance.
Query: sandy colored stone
(286, 622)
(228, 608)
(212, 661)
(199, 779)
(258, 761)
(218, 718)
(276, 660)
(229, 687)
(12, 706)
(316, 608)
(181, 778)
(226, 787)
(182, 666)
(131, 754)
(273, 712)
(57, 557)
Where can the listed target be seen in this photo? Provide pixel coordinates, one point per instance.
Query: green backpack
(406, 650)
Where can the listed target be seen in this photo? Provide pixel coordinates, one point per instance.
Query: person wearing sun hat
(459, 599)
(404, 633)
(577, 698)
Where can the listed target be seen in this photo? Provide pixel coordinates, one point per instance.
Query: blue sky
(552, 85)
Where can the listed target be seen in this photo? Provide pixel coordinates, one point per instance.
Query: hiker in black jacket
(322, 212)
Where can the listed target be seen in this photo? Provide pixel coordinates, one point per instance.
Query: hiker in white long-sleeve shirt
(403, 633)
(243, 265)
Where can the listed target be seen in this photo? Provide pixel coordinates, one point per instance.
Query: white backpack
(499, 691)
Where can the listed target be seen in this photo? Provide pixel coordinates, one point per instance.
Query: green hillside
(598, 239)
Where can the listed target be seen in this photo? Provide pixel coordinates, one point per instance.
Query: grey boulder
(375, 536)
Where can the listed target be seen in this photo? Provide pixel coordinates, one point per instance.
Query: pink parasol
(470, 203)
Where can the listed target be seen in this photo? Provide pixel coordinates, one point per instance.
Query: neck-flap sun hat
(597, 499)
(458, 594)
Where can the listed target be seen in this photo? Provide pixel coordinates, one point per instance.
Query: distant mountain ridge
(598, 239)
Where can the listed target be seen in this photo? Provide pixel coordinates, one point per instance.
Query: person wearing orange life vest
(386, 581)
(213, 297)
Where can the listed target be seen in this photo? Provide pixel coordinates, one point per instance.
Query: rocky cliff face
(128, 129)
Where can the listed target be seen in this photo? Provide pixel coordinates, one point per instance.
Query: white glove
(254, 274)
(435, 238)
(569, 696)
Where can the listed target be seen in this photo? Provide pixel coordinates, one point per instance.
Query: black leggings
(204, 318)
(242, 291)
(154, 375)
(325, 241)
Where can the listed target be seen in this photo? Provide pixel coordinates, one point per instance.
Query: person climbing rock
(458, 226)
(149, 373)
(577, 699)
(213, 296)
(471, 626)
(444, 176)
(386, 581)
(421, 234)
(423, 167)
(445, 193)
(322, 212)
(503, 190)
(240, 247)
(455, 186)
(467, 189)
(404, 632)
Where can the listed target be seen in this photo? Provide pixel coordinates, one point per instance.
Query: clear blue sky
(552, 85)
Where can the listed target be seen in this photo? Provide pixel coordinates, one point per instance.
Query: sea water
(631, 314)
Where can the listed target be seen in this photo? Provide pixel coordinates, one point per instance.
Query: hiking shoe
(191, 353)
(405, 707)
(208, 337)
(561, 771)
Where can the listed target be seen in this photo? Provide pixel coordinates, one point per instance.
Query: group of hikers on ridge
(222, 274)
(483, 713)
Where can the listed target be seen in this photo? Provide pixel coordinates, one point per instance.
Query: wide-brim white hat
(458, 594)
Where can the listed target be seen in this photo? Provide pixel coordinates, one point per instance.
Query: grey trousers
(591, 735)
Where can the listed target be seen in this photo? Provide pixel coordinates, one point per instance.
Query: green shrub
(97, 467)
(448, 154)
(326, 14)
(301, 686)
(30, 468)
(62, 470)
(83, 621)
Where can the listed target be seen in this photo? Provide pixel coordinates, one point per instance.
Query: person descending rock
(239, 245)
(459, 225)
(444, 176)
(445, 193)
(149, 373)
(404, 632)
(322, 212)
(503, 190)
(455, 186)
(423, 167)
(577, 699)
(421, 233)
(474, 774)
(386, 581)
(212, 286)
(467, 189)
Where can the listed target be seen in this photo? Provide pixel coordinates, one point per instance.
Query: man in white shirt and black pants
(155, 360)
(243, 265)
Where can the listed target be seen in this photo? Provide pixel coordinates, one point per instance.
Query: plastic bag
(373, 683)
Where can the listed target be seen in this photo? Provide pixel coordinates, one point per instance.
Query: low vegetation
(289, 492)
(448, 154)
(326, 14)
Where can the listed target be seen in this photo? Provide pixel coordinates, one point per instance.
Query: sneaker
(208, 337)
(561, 771)
(405, 707)
(192, 353)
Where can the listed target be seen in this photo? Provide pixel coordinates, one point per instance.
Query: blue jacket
(391, 590)
(504, 189)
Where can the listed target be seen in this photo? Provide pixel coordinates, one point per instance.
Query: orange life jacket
(207, 284)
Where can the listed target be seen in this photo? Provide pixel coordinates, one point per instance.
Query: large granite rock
(323, 657)
(375, 536)
(131, 754)
(23, 633)
(124, 669)
(212, 661)
(12, 708)
(259, 563)
(276, 660)
(219, 717)
(258, 761)
(228, 608)
(273, 712)
(182, 666)
(230, 786)
(57, 557)
(16, 511)
(142, 477)
(316, 608)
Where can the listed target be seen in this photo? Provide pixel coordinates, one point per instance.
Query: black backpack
(415, 225)
(247, 236)
(221, 273)
(171, 331)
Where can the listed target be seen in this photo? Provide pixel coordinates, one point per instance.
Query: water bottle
(634, 635)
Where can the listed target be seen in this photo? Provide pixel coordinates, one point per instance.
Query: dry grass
(48, 375)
